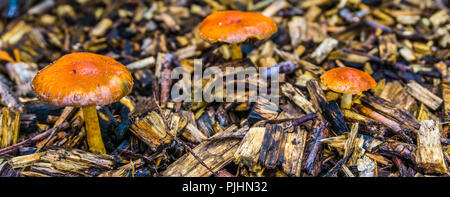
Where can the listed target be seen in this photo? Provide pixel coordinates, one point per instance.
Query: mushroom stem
(236, 52)
(346, 101)
(94, 136)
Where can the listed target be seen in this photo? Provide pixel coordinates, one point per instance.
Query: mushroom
(349, 81)
(84, 80)
(236, 27)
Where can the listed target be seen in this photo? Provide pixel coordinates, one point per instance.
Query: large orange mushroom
(84, 80)
(236, 27)
(349, 81)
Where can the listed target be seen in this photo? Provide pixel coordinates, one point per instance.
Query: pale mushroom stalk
(346, 101)
(236, 52)
(93, 133)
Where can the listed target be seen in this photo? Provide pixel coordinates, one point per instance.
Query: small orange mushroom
(84, 80)
(349, 81)
(236, 27)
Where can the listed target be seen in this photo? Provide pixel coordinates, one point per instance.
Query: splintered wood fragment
(408, 19)
(44, 169)
(186, 52)
(250, 147)
(151, 130)
(423, 95)
(429, 155)
(337, 142)
(312, 13)
(238, 134)
(407, 54)
(351, 141)
(396, 93)
(274, 8)
(9, 127)
(348, 15)
(298, 27)
(297, 97)
(370, 143)
(389, 109)
(388, 48)
(204, 125)
(349, 114)
(25, 160)
(193, 134)
(33, 174)
(329, 111)
(143, 63)
(101, 27)
(422, 48)
(316, 70)
(313, 162)
(294, 147)
(400, 149)
(358, 151)
(189, 116)
(16, 33)
(439, 17)
(376, 129)
(259, 5)
(23, 74)
(340, 164)
(215, 5)
(286, 67)
(272, 145)
(349, 57)
(101, 161)
(379, 159)
(323, 49)
(123, 171)
(295, 121)
(8, 98)
(286, 55)
(68, 111)
(347, 171)
(215, 154)
(375, 25)
(41, 7)
(310, 3)
(176, 122)
(263, 110)
(170, 21)
(82, 166)
(66, 114)
(62, 162)
(391, 124)
(6, 170)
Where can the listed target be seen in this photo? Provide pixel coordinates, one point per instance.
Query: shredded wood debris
(400, 128)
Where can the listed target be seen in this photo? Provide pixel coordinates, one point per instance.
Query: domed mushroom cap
(83, 79)
(236, 27)
(348, 80)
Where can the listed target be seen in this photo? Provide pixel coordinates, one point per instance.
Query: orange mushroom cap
(348, 80)
(235, 27)
(83, 79)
